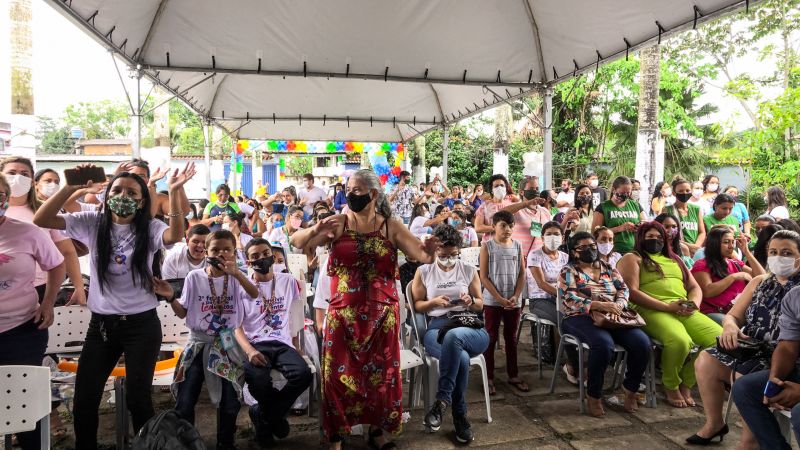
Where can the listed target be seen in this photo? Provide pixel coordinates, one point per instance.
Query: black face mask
(530, 194)
(622, 197)
(582, 200)
(356, 203)
(653, 246)
(587, 255)
(683, 198)
(263, 265)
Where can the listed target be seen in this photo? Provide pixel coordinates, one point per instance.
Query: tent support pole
(548, 138)
(445, 151)
(137, 118)
(207, 154)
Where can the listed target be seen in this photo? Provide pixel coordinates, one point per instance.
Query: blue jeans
(459, 345)
(601, 347)
(275, 404)
(748, 394)
(189, 392)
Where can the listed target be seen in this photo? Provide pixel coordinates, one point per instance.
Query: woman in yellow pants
(668, 297)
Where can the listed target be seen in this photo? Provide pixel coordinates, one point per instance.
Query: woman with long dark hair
(580, 218)
(689, 215)
(123, 239)
(775, 199)
(361, 384)
(668, 297)
(721, 275)
(620, 214)
(762, 242)
(672, 226)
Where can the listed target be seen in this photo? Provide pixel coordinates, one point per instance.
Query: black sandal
(375, 433)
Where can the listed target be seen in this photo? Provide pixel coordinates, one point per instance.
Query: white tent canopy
(370, 70)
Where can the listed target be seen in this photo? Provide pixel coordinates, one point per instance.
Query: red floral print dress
(361, 381)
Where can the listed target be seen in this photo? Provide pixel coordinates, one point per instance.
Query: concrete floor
(535, 419)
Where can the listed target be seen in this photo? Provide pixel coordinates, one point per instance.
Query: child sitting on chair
(213, 303)
(267, 339)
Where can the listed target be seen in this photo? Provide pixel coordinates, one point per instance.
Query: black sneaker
(464, 432)
(433, 419)
(280, 428)
(263, 431)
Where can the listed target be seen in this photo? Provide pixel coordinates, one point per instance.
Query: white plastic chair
(25, 400)
(174, 332)
(471, 256)
(569, 339)
(68, 332)
(432, 364)
(537, 323)
(410, 359)
(297, 264)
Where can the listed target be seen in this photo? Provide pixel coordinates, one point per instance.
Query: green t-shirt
(690, 223)
(666, 289)
(729, 220)
(614, 216)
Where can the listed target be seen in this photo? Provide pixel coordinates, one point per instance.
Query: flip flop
(492, 389)
(520, 384)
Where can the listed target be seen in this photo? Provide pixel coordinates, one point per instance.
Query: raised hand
(329, 225)
(158, 174)
(430, 246)
(178, 178)
(124, 166)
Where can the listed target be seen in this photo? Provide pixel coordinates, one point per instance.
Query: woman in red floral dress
(361, 380)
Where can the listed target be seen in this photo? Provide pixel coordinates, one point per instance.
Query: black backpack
(167, 431)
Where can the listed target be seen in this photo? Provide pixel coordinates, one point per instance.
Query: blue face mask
(277, 224)
(454, 222)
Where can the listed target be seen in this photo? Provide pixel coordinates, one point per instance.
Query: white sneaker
(570, 377)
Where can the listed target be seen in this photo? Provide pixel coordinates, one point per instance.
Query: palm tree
(647, 163)
(503, 131)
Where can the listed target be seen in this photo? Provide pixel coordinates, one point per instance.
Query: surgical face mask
(669, 201)
(605, 248)
(20, 184)
(454, 222)
(552, 242)
(189, 215)
(49, 189)
(101, 196)
(697, 193)
(447, 262)
(123, 206)
(499, 192)
(277, 224)
(671, 233)
(782, 266)
(593, 184)
(635, 194)
(226, 226)
(667, 192)
(712, 187)
(279, 268)
(295, 223)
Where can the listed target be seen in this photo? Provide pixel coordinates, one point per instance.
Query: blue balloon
(393, 146)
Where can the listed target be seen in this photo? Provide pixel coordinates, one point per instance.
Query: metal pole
(445, 151)
(548, 138)
(207, 154)
(137, 139)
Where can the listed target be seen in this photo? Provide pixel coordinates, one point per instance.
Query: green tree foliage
(105, 119)
(298, 165)
(53, 138)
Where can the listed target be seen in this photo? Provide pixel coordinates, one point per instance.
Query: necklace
(218, 302)
(268, 304)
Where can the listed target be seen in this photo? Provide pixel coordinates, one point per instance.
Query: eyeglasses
(581, 248)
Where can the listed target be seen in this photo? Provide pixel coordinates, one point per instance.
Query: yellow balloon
(245, 144)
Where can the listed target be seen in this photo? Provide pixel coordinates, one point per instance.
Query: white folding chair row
(174, 332)
(411, 359)
(68, 332)
(471, 256)
(297, 263)
(25, 400)
(432, 364)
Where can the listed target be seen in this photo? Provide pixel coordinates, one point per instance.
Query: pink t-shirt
(522, 228)
(25, 214)
(487, 210)
(723, 300)
(23, 248)
(262, 323)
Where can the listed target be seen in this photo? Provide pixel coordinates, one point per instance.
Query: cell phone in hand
(772, 389)
(83, 175)
(215, 262)
(455, 301)
(688, 304)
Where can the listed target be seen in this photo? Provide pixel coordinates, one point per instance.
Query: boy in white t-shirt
(266, 338)
(213, 303)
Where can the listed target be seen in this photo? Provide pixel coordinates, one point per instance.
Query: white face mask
(20, 184)
(278, 268)
(226, 226)
(670, 200)
(593, 184)
(667, 192)
(696, 193)
(499, 192)
(552, 242)
(635, 195)
(782, 266)
(712, 187)
(446, 262)
(605, 248)
(49, 189)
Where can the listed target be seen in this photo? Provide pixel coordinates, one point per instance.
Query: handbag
(457, 319)
(628, 318)
(748, 349)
